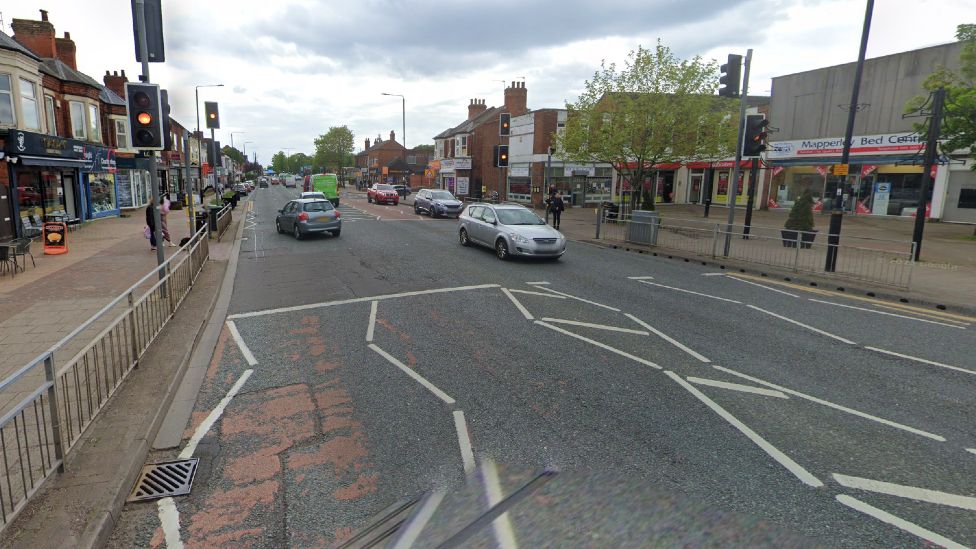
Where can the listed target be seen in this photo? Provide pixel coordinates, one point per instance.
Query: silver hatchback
(510, 229)
(307, 216)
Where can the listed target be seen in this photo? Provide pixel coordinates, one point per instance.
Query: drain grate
(160, 480)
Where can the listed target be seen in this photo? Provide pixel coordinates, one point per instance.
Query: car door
(423, 200)
(489, 230)
(473, 223)
(288, 216)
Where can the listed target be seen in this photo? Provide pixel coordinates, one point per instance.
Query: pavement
(359, 371)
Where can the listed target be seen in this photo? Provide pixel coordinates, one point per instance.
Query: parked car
(436, 203)
(289, 182)
(263, 182)
(402, 190)
(313, 194)
(510, 229)
(306, 216)
(382, 193)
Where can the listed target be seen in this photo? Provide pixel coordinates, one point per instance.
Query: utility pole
(931, 149)
(153, 176)
(837, 213)
(190, 195)
(734, 183)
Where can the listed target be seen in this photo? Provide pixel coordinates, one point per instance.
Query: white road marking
(359, 300)
(504, 534)
(689, 291)
(417, 377)
(737, 387)
(540, 294)
(713, 274)
(909, 492)
(596, 326)
(464, 441)
(640, 277)
(540, 283)
(762, 286)
(886, 313)
(372, 320)
(898, 522)
(413, 529)
(922, 360)
(971, 450)
(832, 405)
(600, 345)
(525, 312)
(669, 339)
(802, 325)
(248, 356)
(570, 296)
(805, 476)
(169, 519)
(214, 415)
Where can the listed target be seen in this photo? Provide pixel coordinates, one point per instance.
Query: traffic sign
(840, 169)
(428, 173)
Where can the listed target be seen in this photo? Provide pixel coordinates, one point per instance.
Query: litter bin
(611, 210)
(212, 217)
(201, 220)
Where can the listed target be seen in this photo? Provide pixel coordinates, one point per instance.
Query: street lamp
(232, 138)
(404, 134)
(245, 149)
(196, 91)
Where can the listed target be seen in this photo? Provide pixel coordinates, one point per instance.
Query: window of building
(77, 109)
(412, 159)
(461, 146)
(122, 134)
(52, 125)
(967, 198)
(94, 123)
(28, 105)
(6, 101)
(440, 148)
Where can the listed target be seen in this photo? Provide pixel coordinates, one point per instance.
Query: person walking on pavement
(557, 208)
(151, 227)
(163, 214)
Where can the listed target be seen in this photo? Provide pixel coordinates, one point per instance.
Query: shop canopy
(28, 160)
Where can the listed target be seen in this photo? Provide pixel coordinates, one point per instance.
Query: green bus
(327, 184)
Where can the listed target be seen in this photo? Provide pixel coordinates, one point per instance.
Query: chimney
(367, 142)
(516, 99)
(115, 82)
(476, 107)
(392, 135)
(378, 140)
(37, 36)
(66, 50)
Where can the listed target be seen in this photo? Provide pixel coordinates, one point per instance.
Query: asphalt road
(730, 410)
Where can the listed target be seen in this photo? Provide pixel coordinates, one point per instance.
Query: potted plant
(799, 225)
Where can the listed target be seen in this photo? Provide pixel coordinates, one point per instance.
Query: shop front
(519, 183)
(455, 176)
(132, 181)
(98, 176)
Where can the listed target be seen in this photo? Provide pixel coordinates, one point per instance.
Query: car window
(519, 216)
(475, 212)
(384, 187)
(488, 215)
(442, 195)
(324, 206)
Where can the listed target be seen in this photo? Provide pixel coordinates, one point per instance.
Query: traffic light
(504, 124)
(145, 116)
(213, 117)
(755, 141)
(501, 156)
(167, 129)
(729, 81)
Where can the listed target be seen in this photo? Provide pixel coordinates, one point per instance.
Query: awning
(28, 160)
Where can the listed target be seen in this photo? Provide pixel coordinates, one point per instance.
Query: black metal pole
(935, 128)
(837, 213)
(707, 189)
(753, 172)
(736, 170)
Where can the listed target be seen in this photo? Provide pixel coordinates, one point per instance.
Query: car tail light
(303, 216)
(338, 215)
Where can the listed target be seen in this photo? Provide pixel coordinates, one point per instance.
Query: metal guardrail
(887, 262)
(223, 221)
(37, 433)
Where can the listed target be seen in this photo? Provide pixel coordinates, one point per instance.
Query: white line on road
(909, 492)
(832, 405)
(737, 387)
(886, 313)
(360, 300)
(580, 299)
(688, 291)
(413, 528)
(214, 415)
(372, 320)
(805, 476)
(248, 356)
(762, 286)
(596, 326)
(922, 360)
(525, 312)
(802, 325)
(713, 274)
(417, 377)
(971, 450)
(504, 534)
(169, 519)
(540, 294)
(668, 338)
(640, 277)
(600, 345)
(540, 283)
(464, 441)
(898, 522)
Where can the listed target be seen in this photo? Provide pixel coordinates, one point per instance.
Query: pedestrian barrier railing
(223, 221)
(37, 433)
(886, 262)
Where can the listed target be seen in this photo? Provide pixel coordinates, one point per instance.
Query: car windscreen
(442, 195)
(324, 206)
(518, 217)
(384, 187)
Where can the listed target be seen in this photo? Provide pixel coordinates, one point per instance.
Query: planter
(790, 237)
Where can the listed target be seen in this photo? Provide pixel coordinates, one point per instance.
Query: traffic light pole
(191, 195)
(153, 176)
(734, 184)
(935, 128)
(753, 176)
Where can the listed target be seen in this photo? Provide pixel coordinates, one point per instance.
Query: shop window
(967, 198)
(6, 101)
(28, 105)
(52, 125)
(122, 135)
(77, 109)
(102, 192)
(94, 124)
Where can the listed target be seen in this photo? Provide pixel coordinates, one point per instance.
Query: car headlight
(518, 239)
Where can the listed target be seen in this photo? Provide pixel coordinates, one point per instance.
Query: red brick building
(389, 161)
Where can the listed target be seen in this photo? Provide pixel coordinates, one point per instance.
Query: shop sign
(569, 170)
(451, 164)
(867, 169)
(38, 144)
(888, 143)
(462, 185)
(55, 238)
(519, 171)
(99, 160)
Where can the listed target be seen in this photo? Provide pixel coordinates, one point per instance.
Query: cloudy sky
(292, 68)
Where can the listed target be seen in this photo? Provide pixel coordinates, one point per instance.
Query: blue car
(437, 203)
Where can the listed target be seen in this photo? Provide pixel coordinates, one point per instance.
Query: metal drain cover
(160, 480)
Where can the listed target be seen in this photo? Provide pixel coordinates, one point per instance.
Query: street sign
(840, 169)
(428, 173)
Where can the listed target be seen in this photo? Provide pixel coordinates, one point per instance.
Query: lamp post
(196, 91)
(403, 136)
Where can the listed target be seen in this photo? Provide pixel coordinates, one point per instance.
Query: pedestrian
(151, 227)
(163, 214)
(557, 208)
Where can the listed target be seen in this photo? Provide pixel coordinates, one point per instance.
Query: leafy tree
(278, 162)
(429, 149)
(656, 108)
(334, 147)
(801, 214)
(233, 153)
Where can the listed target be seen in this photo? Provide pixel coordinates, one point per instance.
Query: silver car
(436, 203)
(308, 216)
(510, 229)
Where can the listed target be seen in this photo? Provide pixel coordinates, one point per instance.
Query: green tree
(233, 153)
(657, 108)
(298, 161)
(334, 148)
(278, 162)
(429, 149)
(801, 214)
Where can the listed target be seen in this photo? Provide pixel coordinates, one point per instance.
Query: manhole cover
(160, 480)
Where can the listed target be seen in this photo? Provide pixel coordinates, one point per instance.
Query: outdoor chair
(28, 228)
(23, 250)
(7, 263)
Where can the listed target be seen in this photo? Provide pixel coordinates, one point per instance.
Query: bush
(648, 200)
(801, 214)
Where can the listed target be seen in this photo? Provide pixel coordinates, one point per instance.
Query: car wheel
(336, 233)
(369, 199)
(416, 210)
(433, 213)
(297, 232)
(501, 249)
(463, 238)
(278, 226)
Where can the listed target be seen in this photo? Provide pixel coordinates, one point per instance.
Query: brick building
(389, 162)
